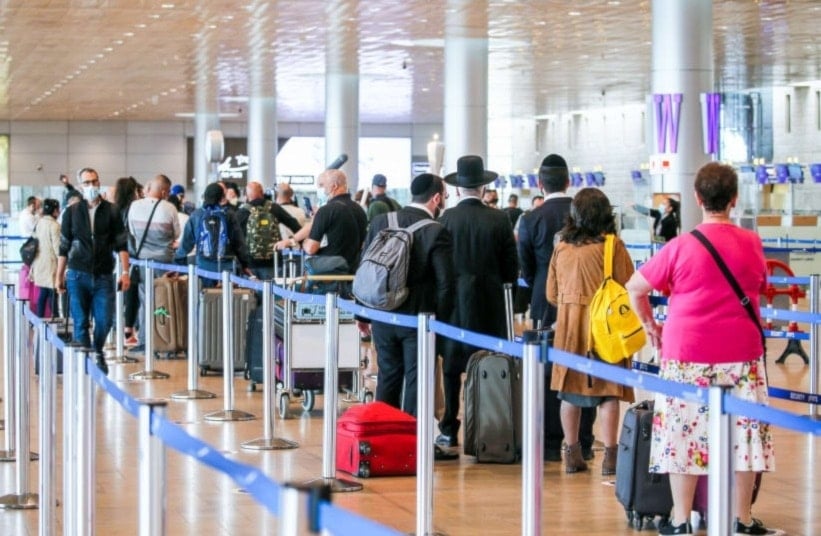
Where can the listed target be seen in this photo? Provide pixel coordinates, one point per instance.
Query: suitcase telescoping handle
(509, 310)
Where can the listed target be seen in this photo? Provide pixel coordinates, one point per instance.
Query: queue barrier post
(22, 499)
(331, 391)
(193, 392)
(228, 412)
(426, 344)
(71, 368)
(815, 338)
(721, 475)
(47, 431)
(532, 437)
(85, 446)
(152, 470)
(298, 505)
(148, 326)
(7, 455)
(119, 322)
(268, 441)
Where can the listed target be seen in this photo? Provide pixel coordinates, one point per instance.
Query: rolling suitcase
(209, 323)
(493, 403)
(170, 315)
(642, 493)
(376, 439)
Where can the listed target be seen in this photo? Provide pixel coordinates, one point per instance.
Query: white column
(683, 64)
(262, 102)
(342, 88)
(466, 69)
(206, 117)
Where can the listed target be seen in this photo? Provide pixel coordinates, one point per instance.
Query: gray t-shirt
(164, 229)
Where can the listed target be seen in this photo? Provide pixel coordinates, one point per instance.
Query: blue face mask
(321, 195)
(90, 193)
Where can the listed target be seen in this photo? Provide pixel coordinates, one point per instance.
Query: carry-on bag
(170, 315)
(642, 493)
(64, 329)
(376, 439)
(210, 322)
(493, 403)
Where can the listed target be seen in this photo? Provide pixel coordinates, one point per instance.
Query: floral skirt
(681, 429)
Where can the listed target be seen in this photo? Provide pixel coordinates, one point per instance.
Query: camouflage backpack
(262, 231)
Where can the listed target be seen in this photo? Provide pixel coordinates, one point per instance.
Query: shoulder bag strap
(145, 231)
(609, 246)
(743, 298)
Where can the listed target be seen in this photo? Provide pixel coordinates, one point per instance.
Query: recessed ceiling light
(108, 49)
(141, 25)
(128, 34)
(425, 89)
(167, 6)
(574, 13)
(613, 3)
(154, 16)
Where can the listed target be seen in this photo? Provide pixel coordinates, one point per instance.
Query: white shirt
(27, 222)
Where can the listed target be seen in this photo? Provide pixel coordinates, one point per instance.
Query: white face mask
(234, 201)
(90, 193)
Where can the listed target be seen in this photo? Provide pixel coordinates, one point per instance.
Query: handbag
(743, 298)
(29, 249)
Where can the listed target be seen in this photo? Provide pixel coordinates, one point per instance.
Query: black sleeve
(237, 238)
(66, 234)
(285, 218)
(442, 260)
(242, 220)
(527, 255)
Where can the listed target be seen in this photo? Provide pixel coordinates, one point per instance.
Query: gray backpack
(381, 280)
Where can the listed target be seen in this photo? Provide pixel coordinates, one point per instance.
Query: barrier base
(10, 456)
(793, 347)
(192, 394)
(230, 415)
(149, 375)
(273, 443)
(26, 501)
(121, 359)
(337, 485)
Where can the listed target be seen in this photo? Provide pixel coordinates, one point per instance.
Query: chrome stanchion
(299, 508)
(119, 322)
(330, 402)
(148, 326)
(152, 458)
(228, 412)
(193, 392)
(48, 432)
(815, 337)
(23, 498)
(268, 441)
(508, 289)
(7, 455)
(85, 445)
(426, 344)
(532, 438)
(71, 363)
(721, 475)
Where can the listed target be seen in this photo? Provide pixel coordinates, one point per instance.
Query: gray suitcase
(493, 402)
(209, 324)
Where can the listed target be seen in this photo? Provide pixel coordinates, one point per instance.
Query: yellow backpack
(616, 332)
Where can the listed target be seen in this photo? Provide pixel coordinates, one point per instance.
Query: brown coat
(574, 275)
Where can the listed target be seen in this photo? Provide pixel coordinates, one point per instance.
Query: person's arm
(62, 256)
(187, 242)
(510, 256)
(638, 288)
(120, 236)
(527, 254)
(299, 236)
(285, 218)
(445, 274)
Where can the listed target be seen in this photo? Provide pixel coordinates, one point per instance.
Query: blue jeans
(90, 296)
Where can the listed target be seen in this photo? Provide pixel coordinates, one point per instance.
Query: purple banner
(713, 120)
(668, 119)
(661, 123)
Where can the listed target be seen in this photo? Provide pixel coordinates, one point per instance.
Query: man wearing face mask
(485, 258)
(91, 232)
(339, 226)
(430, 282)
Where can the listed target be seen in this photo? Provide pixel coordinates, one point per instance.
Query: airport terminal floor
(470, 498)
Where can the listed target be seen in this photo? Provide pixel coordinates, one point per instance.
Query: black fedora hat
(470, 173)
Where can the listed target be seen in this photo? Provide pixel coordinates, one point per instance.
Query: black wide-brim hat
(470, 173)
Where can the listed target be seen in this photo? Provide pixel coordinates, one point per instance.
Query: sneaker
(103, 366)
(445, 441)
(443, 454)
(755, 527)
(131, 341)
(667, 527)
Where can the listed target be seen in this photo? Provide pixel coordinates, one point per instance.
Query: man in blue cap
(380, 202)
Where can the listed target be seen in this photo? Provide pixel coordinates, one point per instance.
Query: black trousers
(396, 356)
(449, 424)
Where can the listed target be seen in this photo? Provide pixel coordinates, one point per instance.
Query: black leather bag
(28, 251)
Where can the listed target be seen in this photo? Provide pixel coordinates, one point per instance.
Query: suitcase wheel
(364, 469)
(364, 448)
(308, 400)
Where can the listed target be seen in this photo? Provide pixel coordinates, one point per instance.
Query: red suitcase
(376, 440)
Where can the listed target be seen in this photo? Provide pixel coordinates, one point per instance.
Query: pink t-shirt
(706, 322)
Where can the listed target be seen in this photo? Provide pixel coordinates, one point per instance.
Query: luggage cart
(300, 371)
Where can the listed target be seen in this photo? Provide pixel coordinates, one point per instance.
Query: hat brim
(462, 181)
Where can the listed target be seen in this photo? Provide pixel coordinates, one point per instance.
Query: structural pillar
(262, 102)
(682, 68)
(466, 68)
(342, 88)
(206, 117)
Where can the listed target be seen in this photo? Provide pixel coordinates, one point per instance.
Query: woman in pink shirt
(708, 337)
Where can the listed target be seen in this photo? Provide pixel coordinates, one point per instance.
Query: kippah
(422, 183)
(554, 161)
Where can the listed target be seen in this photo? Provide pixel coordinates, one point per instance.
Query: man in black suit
(430, 282)
(536, 240)
(484, 256)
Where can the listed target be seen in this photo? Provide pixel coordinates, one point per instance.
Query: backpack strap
(393, 221)
(418, 225)
(609, 247)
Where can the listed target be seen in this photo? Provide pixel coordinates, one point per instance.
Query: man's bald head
(334, 181)
(158, 187)
(254, 190)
